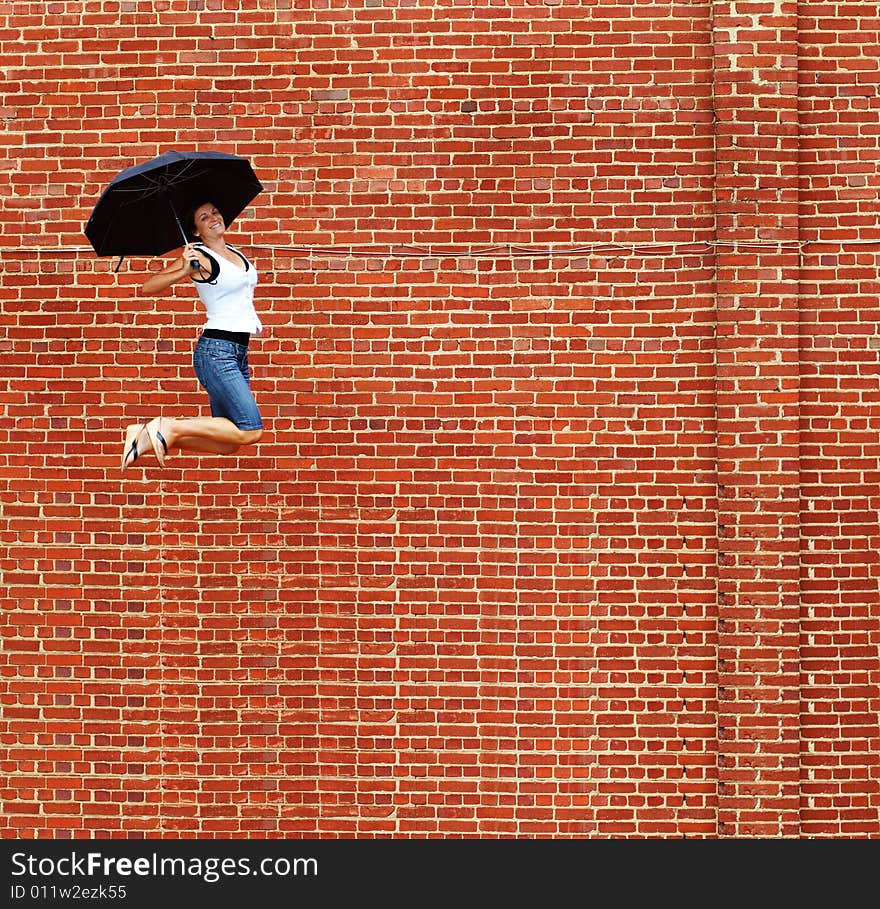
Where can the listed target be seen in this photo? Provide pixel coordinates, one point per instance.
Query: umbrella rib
(183, 170)
(132, 189)
(180, 177)
(156, 187)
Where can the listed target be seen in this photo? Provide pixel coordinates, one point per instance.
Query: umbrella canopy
(139, 212)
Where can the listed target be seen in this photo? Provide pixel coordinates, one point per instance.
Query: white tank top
(228, 294)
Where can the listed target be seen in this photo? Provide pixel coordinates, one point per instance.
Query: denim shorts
(223, 371)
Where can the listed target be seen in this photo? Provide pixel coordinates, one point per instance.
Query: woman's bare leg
(208, 434)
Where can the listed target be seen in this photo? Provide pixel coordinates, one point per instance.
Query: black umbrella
(139, 212)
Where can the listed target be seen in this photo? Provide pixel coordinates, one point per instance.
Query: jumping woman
(225, 281)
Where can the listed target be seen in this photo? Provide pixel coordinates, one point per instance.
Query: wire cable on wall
(503, 250)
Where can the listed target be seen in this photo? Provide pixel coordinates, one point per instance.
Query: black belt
(237, 337)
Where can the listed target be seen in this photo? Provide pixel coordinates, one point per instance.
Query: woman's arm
(175, 271)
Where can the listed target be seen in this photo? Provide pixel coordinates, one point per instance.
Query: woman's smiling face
(208, 222)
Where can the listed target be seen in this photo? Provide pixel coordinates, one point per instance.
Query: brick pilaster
(755, 90)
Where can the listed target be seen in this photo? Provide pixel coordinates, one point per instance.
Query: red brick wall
(839, 418)
(564, 520)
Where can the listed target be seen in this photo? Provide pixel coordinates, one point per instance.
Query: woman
(225, 281)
